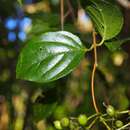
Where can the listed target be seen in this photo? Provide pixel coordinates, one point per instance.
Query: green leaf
(42, 23)
(41, 111)
(49, 57)
(115, 44)
(107, 18)
(39, 27)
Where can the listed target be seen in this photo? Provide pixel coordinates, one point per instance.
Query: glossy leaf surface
(49, 57)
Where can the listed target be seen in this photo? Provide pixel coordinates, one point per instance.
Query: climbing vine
(53, 55)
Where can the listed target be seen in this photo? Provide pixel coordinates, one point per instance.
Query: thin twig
(107, 126)
(123, 112)
(62, 14)
(90, 117)
(66, 14)
(93, 122)
(93, 73)
(97, 45)
(71, 10)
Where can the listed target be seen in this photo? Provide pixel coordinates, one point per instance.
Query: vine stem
(97, 45)
(103, 121)
(70, 8)
(95, 115)
(124, 112)
(62, 14)
(93, 73)
(93, 122)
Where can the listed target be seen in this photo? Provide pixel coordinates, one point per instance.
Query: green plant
(110, 111)
(53, 55)
(82, 119)
(65, 122)
(57, 124)
(119, 124)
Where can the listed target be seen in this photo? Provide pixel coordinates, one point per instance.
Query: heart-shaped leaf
(107, 18)
(49, 57)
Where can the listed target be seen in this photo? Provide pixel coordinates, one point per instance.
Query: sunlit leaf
(107, 18)
(50, 57)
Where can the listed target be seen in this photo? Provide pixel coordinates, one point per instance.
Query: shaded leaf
(107, 18)
(114, 45)
(42, 23)
(41, 111)
(49, 57)
(39, 27)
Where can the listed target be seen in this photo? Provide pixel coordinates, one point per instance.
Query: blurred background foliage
(31, 106)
